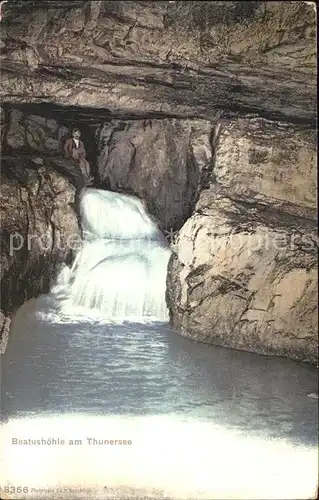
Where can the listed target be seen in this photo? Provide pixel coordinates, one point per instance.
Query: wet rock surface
(159, 161)
(39, 231)
(244, 269)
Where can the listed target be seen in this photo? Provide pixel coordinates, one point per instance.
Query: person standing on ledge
(74, 148)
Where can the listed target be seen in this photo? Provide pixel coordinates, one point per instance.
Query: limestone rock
(38, 230)
(246, 281)
(16, 131)
(52, 145)
(30, 133)
(5, 321)
(244, 269)
(158, 160)
(2, 126)
(42, 134)
(63, 133)
(176, 59)
(259, 161)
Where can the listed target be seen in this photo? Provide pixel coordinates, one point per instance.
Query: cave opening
(150, 156)
(50, 121)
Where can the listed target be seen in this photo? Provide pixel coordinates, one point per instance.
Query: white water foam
(120, 271)
(111, 215)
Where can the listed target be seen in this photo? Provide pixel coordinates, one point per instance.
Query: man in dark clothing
(74, 148)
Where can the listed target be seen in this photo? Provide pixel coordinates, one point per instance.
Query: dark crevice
(93, 117)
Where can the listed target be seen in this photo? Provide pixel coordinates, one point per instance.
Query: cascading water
(121, 269)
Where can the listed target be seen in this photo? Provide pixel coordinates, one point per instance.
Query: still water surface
(206, 422)
(55, 366)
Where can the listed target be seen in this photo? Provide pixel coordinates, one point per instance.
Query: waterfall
(120, 270)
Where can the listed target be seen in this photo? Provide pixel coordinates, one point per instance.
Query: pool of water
(204, 421)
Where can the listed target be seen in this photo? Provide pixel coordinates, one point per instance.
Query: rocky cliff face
(205, 110)
(182, 59)
(39, 231)
(33, 133)
(39, 226)
(159, 161)
(244, 269)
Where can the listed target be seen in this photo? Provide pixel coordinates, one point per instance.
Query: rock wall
(22, 132)
(244, 269)
(29, 139)
(159, 59)
(39, 231)
(159, 161)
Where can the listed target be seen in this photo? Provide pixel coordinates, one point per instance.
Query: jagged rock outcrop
(29, 133)
(158, 160)
(244, 269)
(28, 140)
(163, 58)
(39, 231)
(2, 125)
(39, 224)
(34, 133)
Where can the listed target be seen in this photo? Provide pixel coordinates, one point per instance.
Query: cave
(101, 130)
(172, 297)
(88, 120)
